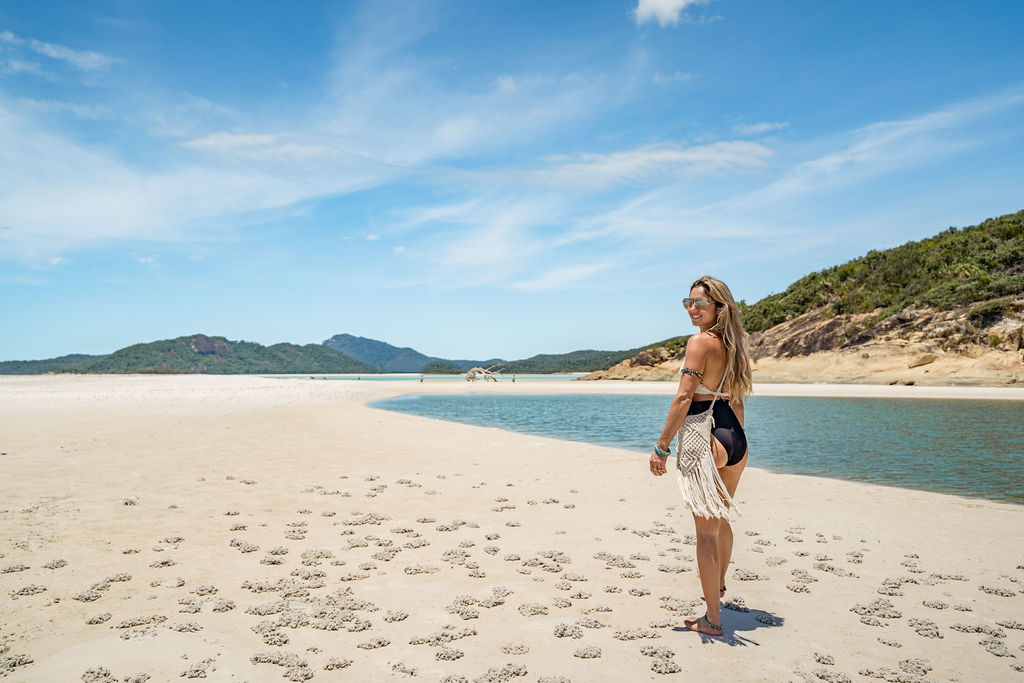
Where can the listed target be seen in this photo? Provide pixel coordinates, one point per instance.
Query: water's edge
(961, 448)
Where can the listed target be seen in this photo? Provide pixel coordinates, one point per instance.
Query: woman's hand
(657, 464)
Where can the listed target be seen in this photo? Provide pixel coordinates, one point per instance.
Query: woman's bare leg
(714, 546)
(724, 551)
(731, 479)
(707, 564)
(720, 456)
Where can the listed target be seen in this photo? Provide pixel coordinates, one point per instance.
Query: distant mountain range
(200, 354)
(71, 363)
(342, 353)
(394, 359)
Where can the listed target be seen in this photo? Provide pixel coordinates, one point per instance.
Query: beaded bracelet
(696, 374)
(659, 451)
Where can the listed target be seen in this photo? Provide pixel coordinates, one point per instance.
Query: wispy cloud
(407, 124)
(674, 77)
(82, 111)
(520, 239)
(82, 60)
(767, 217)
(275, 148)
(749, 130)
(15, 66)
(384, 104)
(57, 194)
(563, 277)
(665, 12)
(381, 122)
(493, 239)
(657, 162)
(886, 146)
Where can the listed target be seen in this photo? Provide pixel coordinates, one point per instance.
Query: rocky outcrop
(659, 363)
(963, 331)
(207, 346)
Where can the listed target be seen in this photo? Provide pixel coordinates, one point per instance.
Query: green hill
(397, 359)
(464, 365)
(441, 367)
(379, 354)
(216, 355)
(586, 360)
(954, 269)
(68, 363)
(575, 361)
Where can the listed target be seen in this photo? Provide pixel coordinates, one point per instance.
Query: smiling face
(702, 317)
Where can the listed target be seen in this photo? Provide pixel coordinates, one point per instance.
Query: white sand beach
(262, 529)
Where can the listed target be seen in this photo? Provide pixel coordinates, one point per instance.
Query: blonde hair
(738, 368)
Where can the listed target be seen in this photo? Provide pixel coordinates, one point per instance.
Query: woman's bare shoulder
(702, 342)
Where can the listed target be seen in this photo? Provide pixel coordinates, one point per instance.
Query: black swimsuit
(727, 430)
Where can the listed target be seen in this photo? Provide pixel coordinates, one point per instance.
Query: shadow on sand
(736, 622)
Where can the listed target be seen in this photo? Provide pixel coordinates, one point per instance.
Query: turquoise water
(446, 378)
(969, 448)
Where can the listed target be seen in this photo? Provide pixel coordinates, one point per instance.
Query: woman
(716, 357)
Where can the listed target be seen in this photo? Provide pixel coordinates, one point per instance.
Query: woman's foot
(702, 625)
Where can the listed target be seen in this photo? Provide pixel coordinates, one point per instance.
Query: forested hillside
(956, 268)
(216, 355)
(200, 354)
(38, 367)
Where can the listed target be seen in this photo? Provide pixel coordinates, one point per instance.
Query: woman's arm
(696, 360)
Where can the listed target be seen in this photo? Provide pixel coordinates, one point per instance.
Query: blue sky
(476, 179)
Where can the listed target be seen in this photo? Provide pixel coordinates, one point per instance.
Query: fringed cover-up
(699, 483)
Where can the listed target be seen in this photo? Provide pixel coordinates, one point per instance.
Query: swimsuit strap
(717, 393)
(700, 380)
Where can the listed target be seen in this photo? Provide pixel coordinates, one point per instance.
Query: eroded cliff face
(914, 346)
(949, 331)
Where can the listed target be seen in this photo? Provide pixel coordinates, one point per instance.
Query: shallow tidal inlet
(963, 447)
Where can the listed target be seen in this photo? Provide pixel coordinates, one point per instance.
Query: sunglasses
(699, 303)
